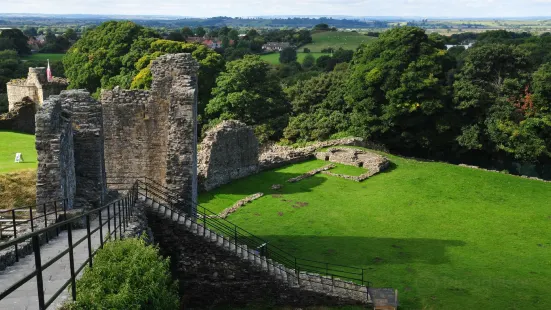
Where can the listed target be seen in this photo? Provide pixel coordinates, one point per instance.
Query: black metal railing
(208, 219)
(33, 217)
(114, 215)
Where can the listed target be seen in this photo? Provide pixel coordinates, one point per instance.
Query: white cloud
(462, 8)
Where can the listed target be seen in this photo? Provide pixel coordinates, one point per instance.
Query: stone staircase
(289, 277)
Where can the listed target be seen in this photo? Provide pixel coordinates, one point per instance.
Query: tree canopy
(247, 92)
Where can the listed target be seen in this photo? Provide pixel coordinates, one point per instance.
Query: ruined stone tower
(36, 87)
(153, 133)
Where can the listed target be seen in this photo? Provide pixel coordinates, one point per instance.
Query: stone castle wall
(35, 87)
(69, 145)
(20, 118)
(56, 178)
(228, 152)
(153, 133)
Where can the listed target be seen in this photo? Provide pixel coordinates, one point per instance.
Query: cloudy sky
(201, 8)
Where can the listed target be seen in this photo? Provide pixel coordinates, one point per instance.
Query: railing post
(65, 203)
(38, 264)
(120, 222)
(109, 222)
(204, 224)
(115, 220)
(46, 223)
(15, 234)
(100, 230)
(89, 239)
(32, 220)
(55, 213)
(72, 261)
(235, 237)
(362, 276)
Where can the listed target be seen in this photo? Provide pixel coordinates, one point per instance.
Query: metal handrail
(208, 218)
(125, 211)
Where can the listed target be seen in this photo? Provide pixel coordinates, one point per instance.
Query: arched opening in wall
(327, 158)
(361, 164)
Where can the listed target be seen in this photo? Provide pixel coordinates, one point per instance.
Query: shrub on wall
(127, 274)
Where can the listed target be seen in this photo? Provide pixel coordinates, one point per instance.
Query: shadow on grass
(365, 251)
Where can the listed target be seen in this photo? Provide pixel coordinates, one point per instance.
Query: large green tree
(399, 92)
(247, 92)
(17, 38)
(99, 55)
(319, 109)
(493, 97)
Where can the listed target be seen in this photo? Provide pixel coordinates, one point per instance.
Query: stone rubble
(310, 173)
(224, 214)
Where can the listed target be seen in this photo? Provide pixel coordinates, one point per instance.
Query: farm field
(336, 39)
(273, 58)
(41, 56)
(447, 237)
(11, 143)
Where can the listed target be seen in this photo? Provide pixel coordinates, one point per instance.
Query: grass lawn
(44, 56)
(11, 143)
(336, 39)
(273, 58)
(445, 236)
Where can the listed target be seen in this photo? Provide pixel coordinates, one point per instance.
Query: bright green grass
(44, 57)
(445, 236)
(348, 170)
(336, 39)
(11, 143)
(273, 58)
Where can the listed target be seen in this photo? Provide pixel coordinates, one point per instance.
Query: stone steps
(305, 281)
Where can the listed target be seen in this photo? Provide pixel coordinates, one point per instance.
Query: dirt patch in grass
(17, 189)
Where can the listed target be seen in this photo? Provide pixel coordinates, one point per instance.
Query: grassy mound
(11, 143)
(445, 236)
(17, 189)
(336, 39)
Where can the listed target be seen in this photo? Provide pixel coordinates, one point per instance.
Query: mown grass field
(273, 58)
(11, 143)
(445, 236)
(44, 57)
(336, 39)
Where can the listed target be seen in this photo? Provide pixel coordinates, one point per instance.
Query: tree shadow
(365, 251)
(262, 182)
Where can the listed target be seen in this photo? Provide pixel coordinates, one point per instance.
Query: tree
(70, 34)
(187, 32)
(176, 36)
(306, 50)
(101, 54)
(319, 108)
(18, 39)
(10, 68)
(492, 79)
(288, 55)
(200, 32)
(248, 93)
(233, 35)
(308, 62)
(321, 27)
(398, 92)
(30, 32)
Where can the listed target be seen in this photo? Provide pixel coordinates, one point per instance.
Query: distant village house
(275, 46)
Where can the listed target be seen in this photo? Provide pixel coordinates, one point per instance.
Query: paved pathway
(26, 296)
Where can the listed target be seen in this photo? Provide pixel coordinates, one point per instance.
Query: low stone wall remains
(274, 156)
(20, 118)
(224, 214)
(310, 173)
(358, 178)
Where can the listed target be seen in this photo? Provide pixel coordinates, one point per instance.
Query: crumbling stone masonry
(153, 133)
(69, 144)
(36, 87)
(228, 152)
(374, 163)
(20, 118)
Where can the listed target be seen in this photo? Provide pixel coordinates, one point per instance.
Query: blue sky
(201, 8)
